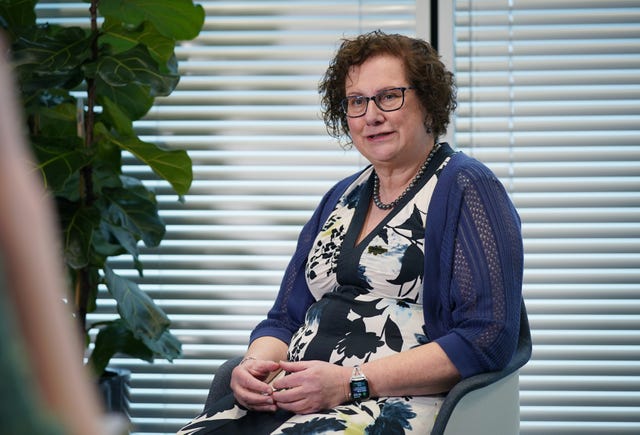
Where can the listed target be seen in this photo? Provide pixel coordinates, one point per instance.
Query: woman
(406, 279)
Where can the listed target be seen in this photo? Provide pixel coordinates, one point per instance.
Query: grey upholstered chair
(484, 404)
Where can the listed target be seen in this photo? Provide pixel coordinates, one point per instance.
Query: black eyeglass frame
(345, 101)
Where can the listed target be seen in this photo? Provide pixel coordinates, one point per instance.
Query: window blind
(549, 95)
(548, 98)
(247, 111)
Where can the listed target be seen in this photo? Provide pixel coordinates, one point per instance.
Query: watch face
(359, 389)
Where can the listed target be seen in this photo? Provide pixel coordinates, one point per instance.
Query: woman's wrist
(346, 384)
(247, 358)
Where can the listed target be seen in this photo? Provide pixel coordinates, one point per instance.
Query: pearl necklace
(376, 183)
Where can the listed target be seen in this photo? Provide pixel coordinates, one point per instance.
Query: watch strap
(358, 385)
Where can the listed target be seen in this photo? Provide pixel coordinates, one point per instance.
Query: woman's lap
(375, 416)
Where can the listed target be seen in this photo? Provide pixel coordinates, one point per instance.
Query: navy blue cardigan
(473, 269)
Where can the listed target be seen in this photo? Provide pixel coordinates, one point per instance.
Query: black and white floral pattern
(368, 305)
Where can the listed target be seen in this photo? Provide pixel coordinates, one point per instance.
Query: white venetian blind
(549, 96)
(247, 111)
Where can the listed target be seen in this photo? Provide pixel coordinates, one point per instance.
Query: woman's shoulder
(462, 162)
(463, 169)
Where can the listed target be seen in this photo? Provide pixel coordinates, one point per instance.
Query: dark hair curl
(434, 84)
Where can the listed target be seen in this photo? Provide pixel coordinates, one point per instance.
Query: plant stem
(83, 276)
(91, 84)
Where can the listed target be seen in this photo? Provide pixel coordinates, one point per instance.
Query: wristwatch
(359, 385)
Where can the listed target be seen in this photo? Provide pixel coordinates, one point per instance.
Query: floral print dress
(368, 305)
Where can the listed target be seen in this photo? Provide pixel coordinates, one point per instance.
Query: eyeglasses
(387, 100)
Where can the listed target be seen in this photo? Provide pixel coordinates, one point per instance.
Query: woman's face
(387, 139)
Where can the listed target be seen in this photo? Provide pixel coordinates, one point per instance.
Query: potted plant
(82, 88)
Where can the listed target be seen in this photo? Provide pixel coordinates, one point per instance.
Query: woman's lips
(379, 135)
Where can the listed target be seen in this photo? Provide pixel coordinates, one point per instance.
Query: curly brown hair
(434, 84)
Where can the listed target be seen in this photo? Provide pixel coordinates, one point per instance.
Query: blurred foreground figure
(45, 388)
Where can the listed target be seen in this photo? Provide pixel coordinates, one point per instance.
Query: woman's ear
(428, 125)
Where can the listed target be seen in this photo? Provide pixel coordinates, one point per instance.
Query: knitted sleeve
(294, 298)
(482, 258)
(288, 311)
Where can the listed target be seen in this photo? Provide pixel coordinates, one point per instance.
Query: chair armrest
(482, 380)
(462, 389)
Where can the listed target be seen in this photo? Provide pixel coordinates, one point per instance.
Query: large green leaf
(54, 117)
(55, 48)
(134, 99)
(80, 225)
(121, 38)
(142, 316)
(108, 159)
(176, 19)
(133, 209)
(167, 346)
(172, 165)
(51, 57)
(17, 14)
(123, 237)
(114, 338)
(104, 247)
(134, 66)
(59, 159)
(113, 115)
(85, 245)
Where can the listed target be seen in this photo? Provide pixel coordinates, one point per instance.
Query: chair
(487, 403)
(484, 404)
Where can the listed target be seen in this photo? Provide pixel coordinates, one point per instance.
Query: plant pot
(114, 389)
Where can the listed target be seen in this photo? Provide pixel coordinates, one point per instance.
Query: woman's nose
(373, 115)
